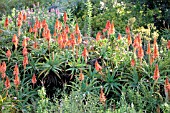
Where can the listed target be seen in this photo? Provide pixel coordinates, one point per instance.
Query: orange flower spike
(67, 29)
(81, 76)
(85, 52)
(156, 73)
(7, 83)
(155, 41)
(119, 36)
(57, 24)
(155, 51)
(167, 85)
(151, 60)
(97, 66)
(30, 30)
(168, 45)
(98, 36)
(79, 40)
(35, 45)
(140, 53)
(24, 51)
(16, 70)
(15, 41)
(3, 75)
(102, 96)
(19, 23)
(136, 43)
(127, 30)
(3, 67)
(133, 62)
(112, 29)
(24, 17)
(148, 49)
(6, 23)
(8, 54)
(20, 16)
(77, 31)
(16, 80)
(25, 61)
(108, 25)
(24, 42)
(34, 80)
(65, 18)
(129, 39)
(48, 35)
(73, 39)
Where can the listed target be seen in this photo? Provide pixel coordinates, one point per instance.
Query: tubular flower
(127, 30)
(7, 83)
(156, 73)
(155, 51)
(119, 36)
(15, 40)
(85, 54)
(24, 51)
(24, 17)
(77, 31)
(81, 76)
(136, 43)
(24, 42)
(79, 40)
(65, 18)
(16, 81)
(25, 61)
(148, 49)
(8, 54)
(3, 67)
(16, 70)
(30, 29)
(3, 75)
(6, 23)
(35, 45)
(129, 39)
(111, 29)
(167, 85)
(73, 39)
(140, 53)
(67, 29)
(168, 45)
(34, 80)
(108, 25)
(151, 60)
(102, 96)
(132, 63)
(97, 66)
(98, 36)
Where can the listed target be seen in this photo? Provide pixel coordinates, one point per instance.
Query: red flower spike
(108, 25)
(156, 73)
(97, 66)
(34, 80)
(7, 83)
(127, 30)
(65, 18)
(132, 63)
(129, 39)
(24, 51)
(6, 23)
